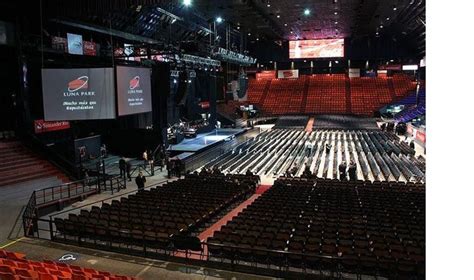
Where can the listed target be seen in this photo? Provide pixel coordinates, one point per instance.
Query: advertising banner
(42, 126)
(288, 74)
(266, 75)
(133, 90)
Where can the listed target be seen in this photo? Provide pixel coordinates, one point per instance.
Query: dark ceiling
(399, 20)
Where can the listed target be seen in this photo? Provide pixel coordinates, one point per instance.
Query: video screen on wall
(78, 94)
(133, 90)
(317, 48)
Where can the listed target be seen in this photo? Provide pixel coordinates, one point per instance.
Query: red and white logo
(135, 82)
(79, 83)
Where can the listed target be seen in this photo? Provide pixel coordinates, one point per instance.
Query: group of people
(344, 170)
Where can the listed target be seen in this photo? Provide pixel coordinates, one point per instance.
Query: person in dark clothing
(129, 169)
(412, 145)
(249, 172)
(140, 180)
(383, 126)
(342, 171)
(122, 167)
(328, 148)
(352, 170)
(307, 172)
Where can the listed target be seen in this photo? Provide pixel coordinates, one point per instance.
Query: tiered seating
(255, 90)
(326, 94)
(402, 84)
(369, 94)
(369, 229)
(284, 96)
(151, 217)
(13, 266)
(20, 165)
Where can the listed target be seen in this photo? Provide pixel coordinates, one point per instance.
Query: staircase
(305, 95)
(265, 92)
(18, 164)
(348, 96)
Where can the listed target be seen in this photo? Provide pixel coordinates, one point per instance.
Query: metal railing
(44, 197)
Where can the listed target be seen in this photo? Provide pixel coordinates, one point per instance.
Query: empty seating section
(255, 89)
(13, 266)
(321, 225)
(369, 94)
(344, 122)
(284, 96)
(326, 94)
(403, 84)
(152, 217)
(379, 156)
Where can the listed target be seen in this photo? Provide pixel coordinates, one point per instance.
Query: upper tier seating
(153, 217)
(284, 96)
(328, 94)
(13, 266)
(369, 94)
(322, 225)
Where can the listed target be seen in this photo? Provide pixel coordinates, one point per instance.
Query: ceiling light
(249, 34)
(219, 20)
(377, 33)
(258, 39)
(306, 12)
(238, 27)
(268, 5)
(335, 22)
(187, 2)
(335, 13)
(286, 24)
(387, 18)
(381, 26)
(291, 32)
(278, 16)
(394, 8)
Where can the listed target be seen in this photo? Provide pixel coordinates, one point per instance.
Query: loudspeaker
(182, 91)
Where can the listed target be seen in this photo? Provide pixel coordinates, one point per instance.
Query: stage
(204, 140)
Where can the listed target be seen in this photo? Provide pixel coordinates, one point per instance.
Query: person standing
(342, 171)
(129, 169)
(352, 170)
(412, 144)
(328, 147)
(122, 167)
(145, 159)
(140, 181)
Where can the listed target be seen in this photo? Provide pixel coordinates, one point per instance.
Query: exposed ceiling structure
(400, 20)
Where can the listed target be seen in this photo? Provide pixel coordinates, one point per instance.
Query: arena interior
(206, 139)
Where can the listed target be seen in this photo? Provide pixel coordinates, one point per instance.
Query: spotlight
(286, 24)
(219, 20)
(335, 13)
(381, 26)
(187, 2)
(387, 18)
(268, 5)
(335, 22)
(394, 8)
(249, 34)
(306, 12)
(278, 16)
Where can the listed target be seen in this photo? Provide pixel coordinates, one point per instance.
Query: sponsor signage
(204, 104)
(266, 75)
(354, 72)
(90, 48)
(390, 67)
(410, 67)
(59, 43)
(42, 126)
(288, 74)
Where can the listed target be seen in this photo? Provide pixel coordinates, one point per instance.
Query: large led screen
(317, 48)
(78, 94)
(133, 90)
